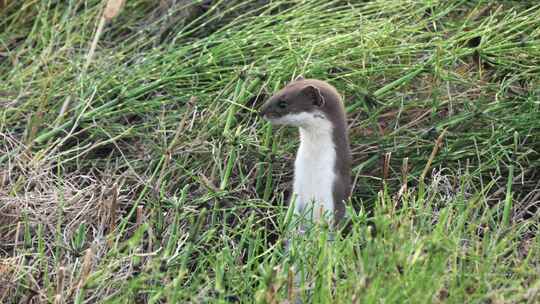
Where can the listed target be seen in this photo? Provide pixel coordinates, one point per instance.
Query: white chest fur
(314, 172)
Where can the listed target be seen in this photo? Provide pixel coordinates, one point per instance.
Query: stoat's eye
(282, 104)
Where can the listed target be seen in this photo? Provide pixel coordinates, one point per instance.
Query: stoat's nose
(263, 111)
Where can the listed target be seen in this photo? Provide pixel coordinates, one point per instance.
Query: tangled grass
(142, 174)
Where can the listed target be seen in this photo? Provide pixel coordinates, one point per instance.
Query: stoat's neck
(314, 174)
(322, 167)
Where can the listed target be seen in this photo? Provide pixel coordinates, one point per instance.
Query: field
(134, 167)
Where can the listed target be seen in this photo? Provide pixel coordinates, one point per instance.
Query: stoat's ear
(299, 77)
(314, 93)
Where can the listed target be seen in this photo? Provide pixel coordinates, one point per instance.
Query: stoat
(322, 169)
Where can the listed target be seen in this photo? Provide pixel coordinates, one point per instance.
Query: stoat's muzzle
(265, 111)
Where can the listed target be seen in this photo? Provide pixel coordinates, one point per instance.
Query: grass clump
(144, 175)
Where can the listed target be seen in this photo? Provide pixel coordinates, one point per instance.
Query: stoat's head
(299, 103)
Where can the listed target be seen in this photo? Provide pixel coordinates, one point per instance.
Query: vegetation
(141, 172)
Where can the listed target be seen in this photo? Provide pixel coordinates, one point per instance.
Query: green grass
(148, 176)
